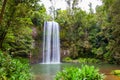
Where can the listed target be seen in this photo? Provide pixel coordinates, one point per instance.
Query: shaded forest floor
(112, 77)
(108, 74)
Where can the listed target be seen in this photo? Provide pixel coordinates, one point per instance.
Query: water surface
(48, 71)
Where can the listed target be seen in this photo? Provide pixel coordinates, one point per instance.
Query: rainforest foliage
(93, 34)
(17, 19)
(84, 73)
(84, 34)
(14, 69)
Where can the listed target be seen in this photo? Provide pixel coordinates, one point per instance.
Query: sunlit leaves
(12, 69)
(84, 73)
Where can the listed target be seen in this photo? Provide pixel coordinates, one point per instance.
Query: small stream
(48, 71)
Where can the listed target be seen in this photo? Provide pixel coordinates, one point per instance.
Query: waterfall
(51, 43)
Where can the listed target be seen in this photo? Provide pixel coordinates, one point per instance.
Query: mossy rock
(67, 59)
(116, 72)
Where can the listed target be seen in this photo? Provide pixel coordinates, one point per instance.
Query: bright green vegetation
(88, 60)
(67, 59)
(13, 69)
(17, 19)
(116, 72)
(84, 73)
(82, 60)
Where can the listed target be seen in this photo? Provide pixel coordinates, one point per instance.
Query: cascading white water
(51, 43)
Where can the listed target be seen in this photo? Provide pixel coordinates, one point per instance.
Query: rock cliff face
(37, 47)
(64, 53)
(34, 32)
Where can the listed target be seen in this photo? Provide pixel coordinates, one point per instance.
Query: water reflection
(45, 71)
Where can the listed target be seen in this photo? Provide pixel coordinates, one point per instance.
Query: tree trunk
(2, 11)
(8, 23)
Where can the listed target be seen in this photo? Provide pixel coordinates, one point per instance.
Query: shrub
(67, 59)
(88, 60)
(85, 73)
(116, 72)
(13, 69)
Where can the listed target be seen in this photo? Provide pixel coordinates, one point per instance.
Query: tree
(115, 26)
(16, 27)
